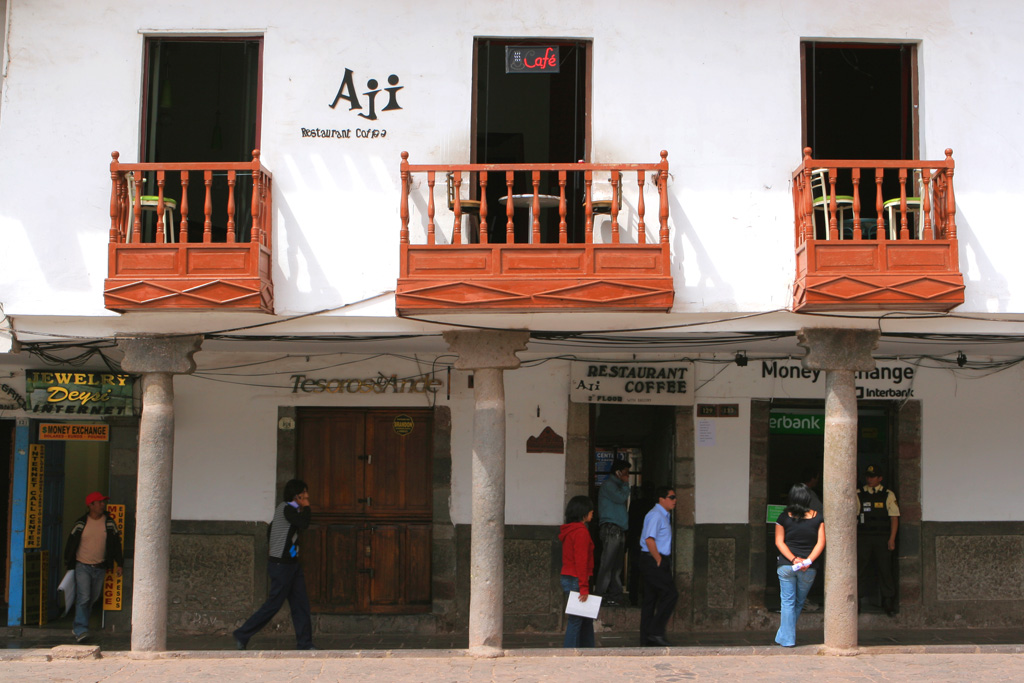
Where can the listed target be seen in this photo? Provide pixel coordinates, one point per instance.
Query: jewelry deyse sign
(668, 383)
(78, 393)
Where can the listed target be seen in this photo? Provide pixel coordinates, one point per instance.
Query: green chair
(820, 199)
(151, 202)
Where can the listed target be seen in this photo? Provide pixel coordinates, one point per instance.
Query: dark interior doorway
(860, 102)
(645, 436)
(202, 104)
(796, 447)
(531, 118)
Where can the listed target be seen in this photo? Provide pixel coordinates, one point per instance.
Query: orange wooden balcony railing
(874, 234)
(166, 254)
(529, 240)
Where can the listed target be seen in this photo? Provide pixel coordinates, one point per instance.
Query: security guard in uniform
(876, 535)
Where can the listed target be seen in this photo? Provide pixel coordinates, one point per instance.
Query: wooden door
(370, 484)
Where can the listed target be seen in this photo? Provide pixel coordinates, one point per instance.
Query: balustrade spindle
(808, 204)
(880, 229)
(641, 230)
(259, 235)
(137, 210)
(663, 199)
(403, 211)
(430, 207)
(160, 208)
(115, 200)
(230, 236)
(615, 207)
(563, 237)
(904, 233)
(483, 207)
(510, 226)
(588, 210)
(208, 208)
(535, 228)
(833, 227)
(925, 229)
(183, 228)
(856, 204)
(950, 200)
(457, 228)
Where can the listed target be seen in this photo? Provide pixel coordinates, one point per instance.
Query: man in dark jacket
(286, 578)
(93, 547)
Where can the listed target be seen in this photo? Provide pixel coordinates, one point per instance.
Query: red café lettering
(548, 60)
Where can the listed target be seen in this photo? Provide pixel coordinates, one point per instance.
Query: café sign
(81, 394)
(668, 383)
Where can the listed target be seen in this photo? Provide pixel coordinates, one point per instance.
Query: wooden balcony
(163, 254)
(526, 241)
(876, 235)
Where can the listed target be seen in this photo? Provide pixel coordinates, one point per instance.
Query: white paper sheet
(588, 609)
(67, 586)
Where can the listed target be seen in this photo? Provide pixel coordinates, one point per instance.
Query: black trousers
(873, 553)
(660, 595)
(287, 582)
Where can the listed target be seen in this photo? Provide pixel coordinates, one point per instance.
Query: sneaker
(239, 643)
(79, 637)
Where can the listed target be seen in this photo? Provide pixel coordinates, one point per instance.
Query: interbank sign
(796, 423)
(81, 394)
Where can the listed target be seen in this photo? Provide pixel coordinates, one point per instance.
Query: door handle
(368, 458)
(368, 500)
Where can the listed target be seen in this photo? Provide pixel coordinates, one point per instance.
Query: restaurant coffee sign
(82, 394)
(668, 383)
(532, 59)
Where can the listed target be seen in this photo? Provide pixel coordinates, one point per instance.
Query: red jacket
(577, 553)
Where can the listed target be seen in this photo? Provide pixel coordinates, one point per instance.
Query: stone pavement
(521, 666)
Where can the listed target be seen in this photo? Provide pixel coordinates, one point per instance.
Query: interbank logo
(796, 423)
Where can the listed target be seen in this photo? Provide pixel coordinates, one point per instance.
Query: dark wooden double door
(370, 484)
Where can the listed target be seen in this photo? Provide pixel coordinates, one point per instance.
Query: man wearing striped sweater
(286, 578)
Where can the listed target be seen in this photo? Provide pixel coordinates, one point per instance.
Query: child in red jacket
(577, 567)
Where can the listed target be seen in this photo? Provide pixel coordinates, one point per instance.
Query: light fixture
(741, 359)
(961, 359)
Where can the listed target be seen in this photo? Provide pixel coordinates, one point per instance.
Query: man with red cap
(93, 547)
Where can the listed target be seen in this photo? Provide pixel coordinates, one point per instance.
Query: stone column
(841, 353)
(158, 359)
(488, 354)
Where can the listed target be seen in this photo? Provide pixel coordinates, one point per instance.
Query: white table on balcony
(547, 201)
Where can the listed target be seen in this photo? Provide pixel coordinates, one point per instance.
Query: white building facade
(324, 310)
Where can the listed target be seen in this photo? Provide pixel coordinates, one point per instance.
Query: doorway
(860, 102)
(644, 436)
(202, 104)
(531, 118)
(368, 548)
(796, 450)
(7, 468)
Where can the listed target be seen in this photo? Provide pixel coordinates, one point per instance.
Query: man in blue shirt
(611, 505)
(660, 594)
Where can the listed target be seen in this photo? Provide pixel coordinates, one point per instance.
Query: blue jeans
(793, 589)
(579, 631)
(88, 589)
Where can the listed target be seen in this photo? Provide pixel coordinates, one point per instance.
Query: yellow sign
(113, 583)
(34, 496)
(49, 431)
(403, 424)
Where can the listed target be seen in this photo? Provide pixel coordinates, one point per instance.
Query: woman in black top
(800, 537)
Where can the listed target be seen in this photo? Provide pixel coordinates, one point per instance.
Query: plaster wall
(722, 95)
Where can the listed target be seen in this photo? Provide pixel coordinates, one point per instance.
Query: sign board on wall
(113, 582)
(532, 59)
(651, 383)
(60, 431)
(83, 394)
(34, 496)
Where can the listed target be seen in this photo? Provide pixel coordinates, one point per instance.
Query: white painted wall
(716, 84)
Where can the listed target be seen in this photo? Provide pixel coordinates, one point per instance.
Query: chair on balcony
(821, 202)
(604, 206)
(467, 206)
(892, 212)
(150, 202)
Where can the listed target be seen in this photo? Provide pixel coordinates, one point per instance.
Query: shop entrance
(371, 488)
(796, 452)
(645, 437)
